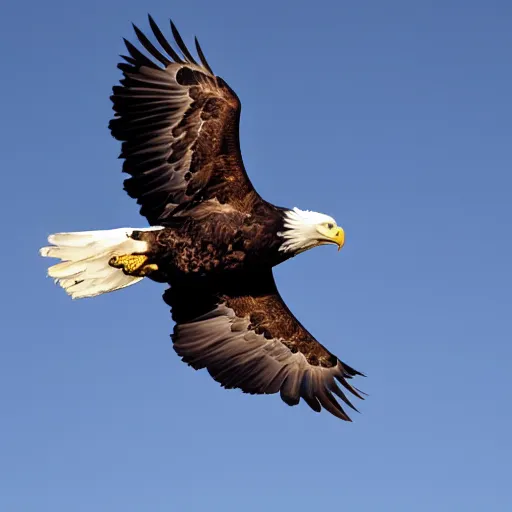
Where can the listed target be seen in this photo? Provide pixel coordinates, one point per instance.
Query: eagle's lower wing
(242, 332)
(178, 124)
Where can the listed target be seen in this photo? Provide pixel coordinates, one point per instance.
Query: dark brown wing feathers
(202, 58)
(181, 44)
(246, 338)
(178, 124)
(163, 42)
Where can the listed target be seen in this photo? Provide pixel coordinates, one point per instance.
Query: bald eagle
(212, 238)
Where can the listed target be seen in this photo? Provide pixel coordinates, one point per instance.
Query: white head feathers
(301, 231)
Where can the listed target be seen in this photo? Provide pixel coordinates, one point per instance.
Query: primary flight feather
(212, 238)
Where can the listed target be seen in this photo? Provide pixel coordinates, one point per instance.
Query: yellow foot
(133, 264)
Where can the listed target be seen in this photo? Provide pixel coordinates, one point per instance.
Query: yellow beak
(339, 238)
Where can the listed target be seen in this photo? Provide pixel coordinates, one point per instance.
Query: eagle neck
(297, 233)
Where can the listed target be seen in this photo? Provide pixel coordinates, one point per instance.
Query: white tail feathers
(85, 270)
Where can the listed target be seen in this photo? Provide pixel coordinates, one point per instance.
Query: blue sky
(395, 118)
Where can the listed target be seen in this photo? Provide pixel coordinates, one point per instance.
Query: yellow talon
(133, 264)
(147, 269)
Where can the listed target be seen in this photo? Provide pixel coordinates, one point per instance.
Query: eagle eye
(330, 225)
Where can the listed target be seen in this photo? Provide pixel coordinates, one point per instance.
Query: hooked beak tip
(340, 239)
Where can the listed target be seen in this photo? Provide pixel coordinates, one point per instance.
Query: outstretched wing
(247, 338)
(178, 124)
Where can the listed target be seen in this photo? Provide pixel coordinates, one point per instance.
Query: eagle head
(303, 230)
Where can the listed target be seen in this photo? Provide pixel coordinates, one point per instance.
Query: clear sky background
(395, 118)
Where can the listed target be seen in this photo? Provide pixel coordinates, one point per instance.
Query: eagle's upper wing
(179, 126)
(247, 338)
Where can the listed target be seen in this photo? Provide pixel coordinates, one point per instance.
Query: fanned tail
(85, 270)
